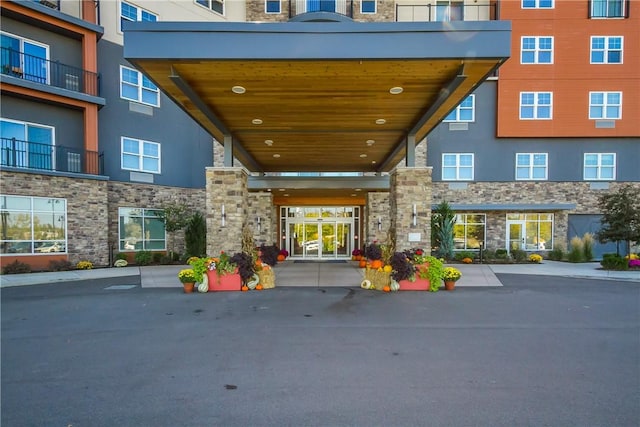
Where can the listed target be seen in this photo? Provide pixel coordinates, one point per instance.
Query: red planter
(418, 285)
(227, 282)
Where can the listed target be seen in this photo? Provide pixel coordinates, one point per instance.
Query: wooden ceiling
(319, 114)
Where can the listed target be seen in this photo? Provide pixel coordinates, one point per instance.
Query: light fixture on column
(414, 215)
(379, 223)
(258, 220)
(224, 217)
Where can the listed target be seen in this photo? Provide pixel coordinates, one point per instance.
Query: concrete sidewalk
(325, 274)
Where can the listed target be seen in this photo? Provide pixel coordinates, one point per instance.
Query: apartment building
(93, 144)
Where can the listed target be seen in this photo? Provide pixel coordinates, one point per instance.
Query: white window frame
(139, 87)
(537, 5)
(139, 11)
(599, 166)
(22, 41)
(605, 105)
(375, 8)
(536, 105)
(140, 154)
(536, 50)
(23, 157)
(209, 5)
(623, 10)
(266, 9)
(32, 212)
(605, 50)
(458, 167)
(459, 108)
(465, 224)
(123, 239)
(530, 166)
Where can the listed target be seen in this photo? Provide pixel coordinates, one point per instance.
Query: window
(536, 50)
(457, 167)
(368, 6)
(33, 225)
(25, 59)
(141, 156)
(134, 86)
(469, 231)
(608, 8)
(449, 10)
(606, 49)
(530, 232)
(535, 105)
(465, 112)
(26, 145)
(531, 166)
(272, 6)
(537, 4)
(130, 12)
(215, 5)
(605, 105)
(140, 230)
(600, 166)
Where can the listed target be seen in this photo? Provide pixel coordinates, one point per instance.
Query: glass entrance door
(515, 237)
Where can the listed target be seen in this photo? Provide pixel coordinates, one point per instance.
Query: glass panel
(515, 236)
(475, 235)
(16, 226)
(130, 162)
(311, 242)
(343, 240)
(150, 165)
(328, 239)
(312, 212)
(16, 203)
(154, 229)
(152, 245)
(35, 63)
(328, 212)
(295, 245)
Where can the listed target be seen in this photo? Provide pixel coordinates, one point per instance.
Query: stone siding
(377, 207)
(411, 187)
(87, 213)
(261, 205)
(255, 10)
(385, 12)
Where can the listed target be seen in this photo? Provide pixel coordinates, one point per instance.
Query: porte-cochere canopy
(318, 96)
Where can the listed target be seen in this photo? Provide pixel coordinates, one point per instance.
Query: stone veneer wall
(87, 213)
(134, 195)
(261, 205)
(409, 187)
(255, 11)
(228, 187)
(385, 12)
(377, 207)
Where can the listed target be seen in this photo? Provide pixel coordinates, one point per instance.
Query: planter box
(227, 282)
(418, 285)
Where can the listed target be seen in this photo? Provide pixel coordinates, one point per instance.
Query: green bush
(576, 253)
(459, 256)
(502, 254)
(518, 255)
(556, 254)
(143, 258)
(489, 254)
(16, 267)
(62, 265)
(157, 256)
(587, 246)
(195, 236)
(121, 255)
(614, 262)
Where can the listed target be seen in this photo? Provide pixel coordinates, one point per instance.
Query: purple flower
(634, 263)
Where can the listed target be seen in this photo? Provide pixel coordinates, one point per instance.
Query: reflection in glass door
(516, 236)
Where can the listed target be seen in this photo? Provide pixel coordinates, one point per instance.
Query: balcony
(56, 158)
(342, 7)
(447, 11)
(51, 73)
(53, 4)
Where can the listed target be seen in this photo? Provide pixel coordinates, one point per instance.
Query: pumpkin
(245, 288)
(376, 264)
(387, 268)
(204, 285)
(362, 263)
(253, 282)
(259, 286)
(395, 286)
(281, 258)
(386, 288)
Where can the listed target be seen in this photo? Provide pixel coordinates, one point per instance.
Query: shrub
(84, 265)
(614, 262)
(16, 267)
(518, 255)
(459, 256)
(502, 254)
(576, 254)
(165, 259)
(121, 255)
(587, 246)
(195, 235)
(557, 254)
(143, 258)
(156, 257)
(62, 265)
(489, 254)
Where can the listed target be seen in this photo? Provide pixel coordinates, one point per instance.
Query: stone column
(226, 189)
(411, 187)
(377, 209)
(261, 206)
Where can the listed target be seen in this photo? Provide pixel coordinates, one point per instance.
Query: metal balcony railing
(343, 7)
(53, 4)
(32, 155)
(453, 11)
(52, 73)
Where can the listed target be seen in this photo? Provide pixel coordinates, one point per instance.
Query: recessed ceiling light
(286, 195)
(363, 155)
(281, 189)
(373, 162)
(256, 121)
(396, 90)
(381, 121)
(276, 155)
(370, 142)
(353, 195)
(358, 189)
(238, 89)
(268, 142)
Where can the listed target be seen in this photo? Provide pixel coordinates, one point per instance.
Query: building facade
(92, 148)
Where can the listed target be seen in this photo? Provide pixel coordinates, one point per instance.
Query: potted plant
(223, 274)
(356, 255)
(199, 266)
(188, 278)
(450, 275)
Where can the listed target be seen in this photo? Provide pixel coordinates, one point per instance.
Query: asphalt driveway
(539, 351)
